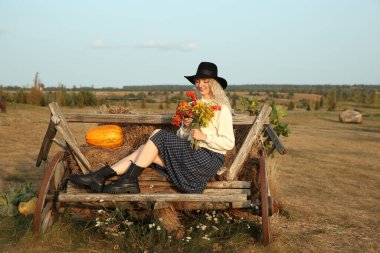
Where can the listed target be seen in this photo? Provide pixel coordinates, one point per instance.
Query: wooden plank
(150, 174)
(174, 197)
(75, 149)
(171, 189)
(182, 205)
(210, 206)
(46, 144)
(251, 137)
(145, 188)
(210, 185)
(140, 118)
(275, 139)
(63, 128)
(56, 111)
(177, 205)
(264, 199)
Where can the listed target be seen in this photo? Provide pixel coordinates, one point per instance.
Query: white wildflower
(128, 223)
(208, 217)
(158, 228)
(206, 237)
(203, 227)
(216, 220)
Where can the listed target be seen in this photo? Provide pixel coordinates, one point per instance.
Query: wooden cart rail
(154, 187)
(139, 118)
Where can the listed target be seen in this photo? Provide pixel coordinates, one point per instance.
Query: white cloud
(149, 44)
(191, 45)
(98, 43)
(161, 44)
(157, 44)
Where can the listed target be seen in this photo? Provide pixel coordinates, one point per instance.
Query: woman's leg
(143, 157)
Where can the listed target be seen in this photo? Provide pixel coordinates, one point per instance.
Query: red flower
(216, 107)
(192, 95)
(176, 120)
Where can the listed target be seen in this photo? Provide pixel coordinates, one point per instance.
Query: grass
(114, 231)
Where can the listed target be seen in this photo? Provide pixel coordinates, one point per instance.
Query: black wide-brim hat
(207, 70)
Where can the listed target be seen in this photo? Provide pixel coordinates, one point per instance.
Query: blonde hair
(218, 94)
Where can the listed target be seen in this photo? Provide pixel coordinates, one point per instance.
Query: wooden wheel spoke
(50, 182)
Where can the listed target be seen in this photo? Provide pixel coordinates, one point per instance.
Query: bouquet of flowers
(200, 112)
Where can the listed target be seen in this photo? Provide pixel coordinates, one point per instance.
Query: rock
(350, 116)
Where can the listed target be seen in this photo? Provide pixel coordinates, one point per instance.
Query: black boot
(95, 180)
(127, 183)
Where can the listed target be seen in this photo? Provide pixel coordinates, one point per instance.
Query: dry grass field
(329, 182)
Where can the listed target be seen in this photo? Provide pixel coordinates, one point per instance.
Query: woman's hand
(187, 122)
(198, 135)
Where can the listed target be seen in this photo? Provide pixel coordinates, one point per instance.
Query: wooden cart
(228, 193)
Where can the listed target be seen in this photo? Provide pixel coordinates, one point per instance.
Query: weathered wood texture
(277, 144)
(46, 144)
(175, 197)
(170, 189)
(264, 187)
(49, 184)
(211, 185)
(62, 127)
(140, 118)
(252, 135)
(179, 205)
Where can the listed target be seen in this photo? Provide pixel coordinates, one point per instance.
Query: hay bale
(97, 156)
(350, 116)
(169, 218)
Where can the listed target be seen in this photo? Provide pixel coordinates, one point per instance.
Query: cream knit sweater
(219, 132)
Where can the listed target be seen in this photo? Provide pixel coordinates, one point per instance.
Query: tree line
(330, 95)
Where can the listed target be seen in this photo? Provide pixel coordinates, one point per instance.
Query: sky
(116, 43)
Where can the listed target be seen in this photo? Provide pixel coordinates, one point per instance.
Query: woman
(171, 154)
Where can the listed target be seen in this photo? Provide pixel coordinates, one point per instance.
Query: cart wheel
(46, 207)
(264, 200)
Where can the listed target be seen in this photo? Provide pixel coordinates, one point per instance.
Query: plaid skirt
(188, 169)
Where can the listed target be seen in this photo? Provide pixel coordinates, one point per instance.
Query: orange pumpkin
(109, 136)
